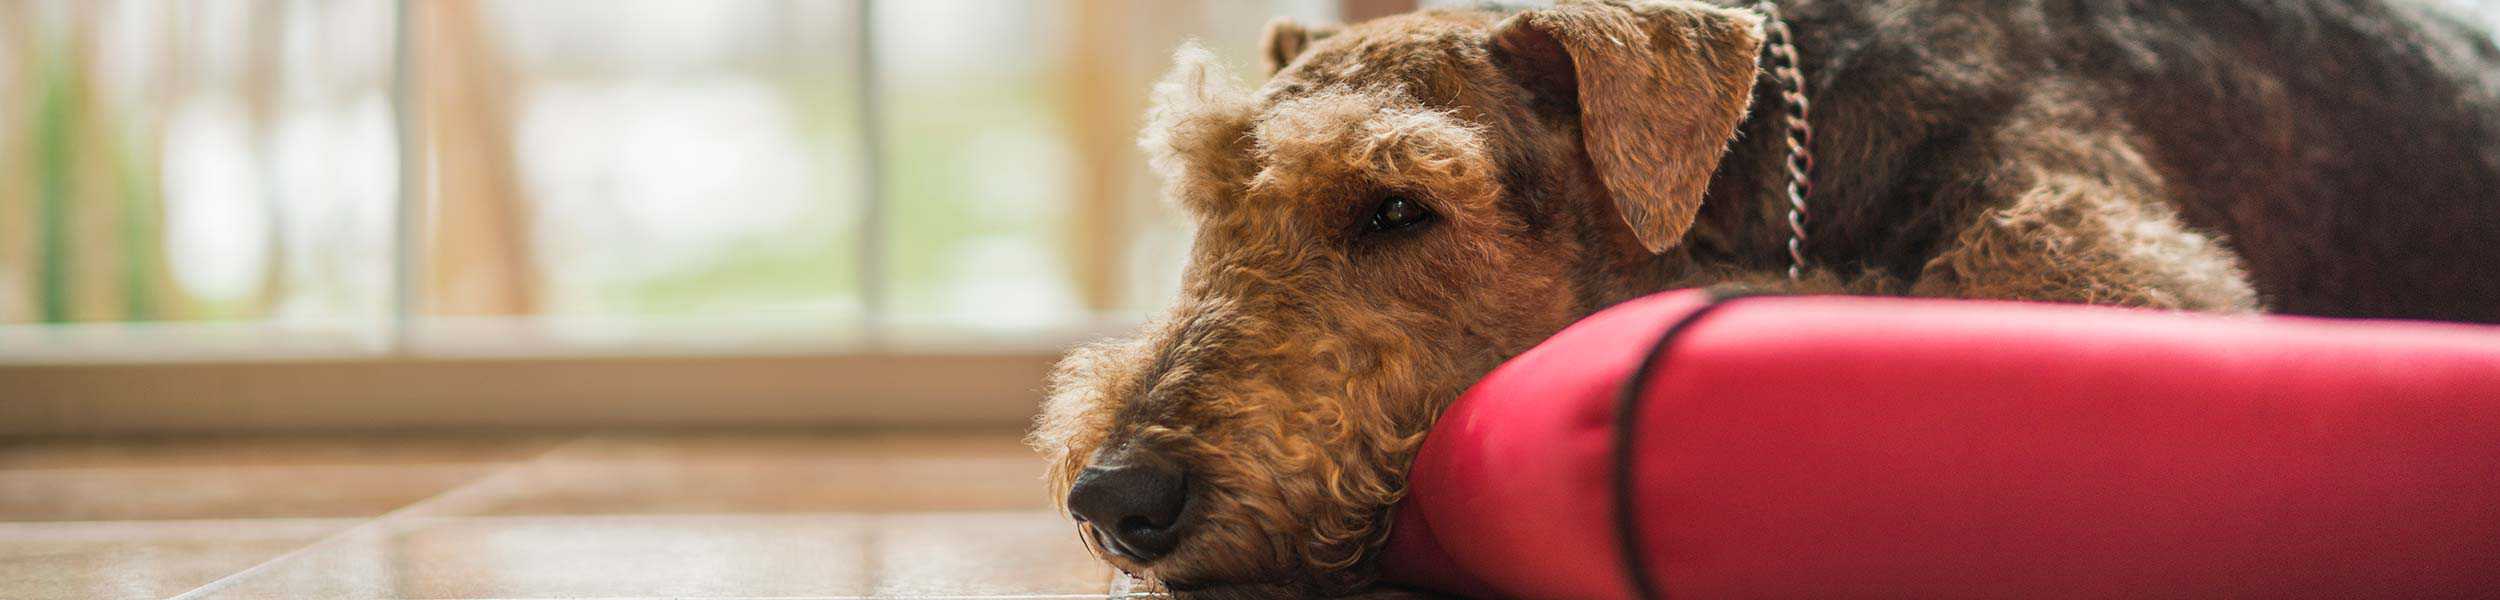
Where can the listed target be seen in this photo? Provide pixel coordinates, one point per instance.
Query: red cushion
(1851, 447)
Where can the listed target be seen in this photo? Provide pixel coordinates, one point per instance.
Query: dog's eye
(1397, 212)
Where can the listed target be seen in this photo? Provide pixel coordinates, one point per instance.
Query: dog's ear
(1286, 39)
(1660, 87)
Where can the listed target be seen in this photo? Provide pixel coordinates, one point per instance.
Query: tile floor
(720, 515)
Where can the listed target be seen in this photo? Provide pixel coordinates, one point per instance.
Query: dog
(1407, 202)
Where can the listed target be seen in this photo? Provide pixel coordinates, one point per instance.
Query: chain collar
(1780, 48)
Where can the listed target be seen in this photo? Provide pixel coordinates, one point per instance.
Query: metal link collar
(1780, 48)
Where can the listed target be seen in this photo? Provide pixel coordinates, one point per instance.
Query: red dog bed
(1854, 447)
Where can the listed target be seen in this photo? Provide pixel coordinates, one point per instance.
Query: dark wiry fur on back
(2348, 151)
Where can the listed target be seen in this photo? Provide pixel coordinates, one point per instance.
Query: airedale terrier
(1408, 201)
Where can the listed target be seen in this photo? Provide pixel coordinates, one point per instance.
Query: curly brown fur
(2315, 156)
(1285, 373)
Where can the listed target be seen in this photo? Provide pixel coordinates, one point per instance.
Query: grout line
(490, 482)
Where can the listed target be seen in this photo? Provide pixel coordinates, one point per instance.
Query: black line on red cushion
(1627, 412)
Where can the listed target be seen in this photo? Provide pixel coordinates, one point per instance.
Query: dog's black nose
(1134, 503)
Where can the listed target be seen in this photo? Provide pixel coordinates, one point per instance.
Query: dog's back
(2347, 150)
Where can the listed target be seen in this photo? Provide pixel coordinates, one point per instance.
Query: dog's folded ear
(1285, 39)
(1659, 86)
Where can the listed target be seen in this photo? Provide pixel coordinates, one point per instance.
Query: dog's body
(2345, 153)
(1409, 201)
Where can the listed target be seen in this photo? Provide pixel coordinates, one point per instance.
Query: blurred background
(281, 214)
(274, 214)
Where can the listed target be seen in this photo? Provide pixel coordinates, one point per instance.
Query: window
(320, 185)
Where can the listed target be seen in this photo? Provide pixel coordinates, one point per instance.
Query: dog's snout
(1134, 501)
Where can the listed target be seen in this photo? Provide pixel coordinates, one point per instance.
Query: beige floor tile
(964, 554)
(690, 556)
(151, 559)
(224, 492)
(780, 444)
(739, 514)
(262, 450)
(243, 477)
(573, 557)
(780, 474)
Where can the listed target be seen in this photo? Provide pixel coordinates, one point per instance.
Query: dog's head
(1403, 205)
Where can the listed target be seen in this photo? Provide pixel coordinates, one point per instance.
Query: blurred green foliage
(68, 127)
